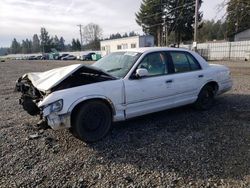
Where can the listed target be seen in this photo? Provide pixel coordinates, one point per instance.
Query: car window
(184, 62)
(118, 63)
(155, 63)
(193, 63)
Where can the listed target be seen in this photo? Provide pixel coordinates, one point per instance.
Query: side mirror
(141, 73)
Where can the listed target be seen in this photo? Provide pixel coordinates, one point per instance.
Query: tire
(92, 121)
(205, 98)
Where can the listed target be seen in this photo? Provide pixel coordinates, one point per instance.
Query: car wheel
(92, 121)
(205, 98)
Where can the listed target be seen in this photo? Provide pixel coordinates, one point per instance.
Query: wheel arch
(213, 84)
(77, 104)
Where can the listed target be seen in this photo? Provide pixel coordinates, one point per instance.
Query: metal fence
(223, 50)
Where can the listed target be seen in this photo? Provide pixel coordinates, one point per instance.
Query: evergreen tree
(238, 16)
(61, 44)
(74, 45)
(46, 41)
(78, 45)
(115, 36)
(125, 35)
(132, 33)
(176, 15)
(29, 46)
(35, 44)
(15, 47)
(149, 18)
(56, 43)
(24, 47)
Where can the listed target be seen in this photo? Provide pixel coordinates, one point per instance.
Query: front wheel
(92, 121)
(205, 98)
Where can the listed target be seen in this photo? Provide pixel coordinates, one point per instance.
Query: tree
(15, 47)
(149, 18)
(35, 44)
(24, 47)
(55, 42)
(92, 32)
(158, 17)
(45, 40)
(74, 45)
(238, 16)
(68, 48)
(182, 19)
(132, 33)
(61, 44)
(115, 36)
(125, 35)
(212, 30)
(78, 45)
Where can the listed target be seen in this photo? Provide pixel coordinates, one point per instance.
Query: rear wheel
(205, 98)
(92, 121)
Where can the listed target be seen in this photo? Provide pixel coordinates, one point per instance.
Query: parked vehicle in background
(120, 86)
(61, 56)
(69, 57)
(32, 57)
(39, 57)
(88, 57)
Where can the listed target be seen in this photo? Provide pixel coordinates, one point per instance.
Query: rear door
(188, 76)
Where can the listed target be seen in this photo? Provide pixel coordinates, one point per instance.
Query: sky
(21, 19)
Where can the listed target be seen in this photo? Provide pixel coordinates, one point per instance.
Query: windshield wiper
(113, 70)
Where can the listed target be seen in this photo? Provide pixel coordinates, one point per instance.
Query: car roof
(154, 49)
(147, 50)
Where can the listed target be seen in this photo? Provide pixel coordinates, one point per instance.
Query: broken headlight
(56, 106)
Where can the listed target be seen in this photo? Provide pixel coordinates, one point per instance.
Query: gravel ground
(173, 148)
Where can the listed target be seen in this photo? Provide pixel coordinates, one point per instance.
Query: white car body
(127, 97)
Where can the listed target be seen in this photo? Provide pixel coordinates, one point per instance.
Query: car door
(150, 93)
(187, 78)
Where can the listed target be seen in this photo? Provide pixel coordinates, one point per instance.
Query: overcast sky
(22, 18)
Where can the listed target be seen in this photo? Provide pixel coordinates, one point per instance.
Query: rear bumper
(225, 86)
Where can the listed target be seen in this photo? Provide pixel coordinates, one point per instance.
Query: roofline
(123, 38)
(152, 49)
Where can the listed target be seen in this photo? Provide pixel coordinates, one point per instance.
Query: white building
(112, 45)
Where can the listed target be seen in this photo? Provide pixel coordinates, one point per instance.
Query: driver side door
(149, 94)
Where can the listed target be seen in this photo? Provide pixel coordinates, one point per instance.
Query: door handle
(169, 81)
(201, 76)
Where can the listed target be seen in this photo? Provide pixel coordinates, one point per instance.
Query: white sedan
(122, 85)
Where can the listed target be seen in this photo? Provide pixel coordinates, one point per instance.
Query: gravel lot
(175, 148)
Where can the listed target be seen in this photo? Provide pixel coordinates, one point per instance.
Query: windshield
(117, 64)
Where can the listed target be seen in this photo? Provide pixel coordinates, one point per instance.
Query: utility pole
(165, 27)
(196, 25)
(166, 24)
(80, 26)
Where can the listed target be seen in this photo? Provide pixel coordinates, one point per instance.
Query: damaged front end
(30, 96)
(39, 91)
(30, 99)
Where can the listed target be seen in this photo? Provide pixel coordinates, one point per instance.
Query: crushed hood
(44, 81)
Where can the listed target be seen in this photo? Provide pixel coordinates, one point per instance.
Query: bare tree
(92, 32)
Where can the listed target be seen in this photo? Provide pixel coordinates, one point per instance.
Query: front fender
(86, 98)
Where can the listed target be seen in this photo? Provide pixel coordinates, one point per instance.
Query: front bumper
(58, 122)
